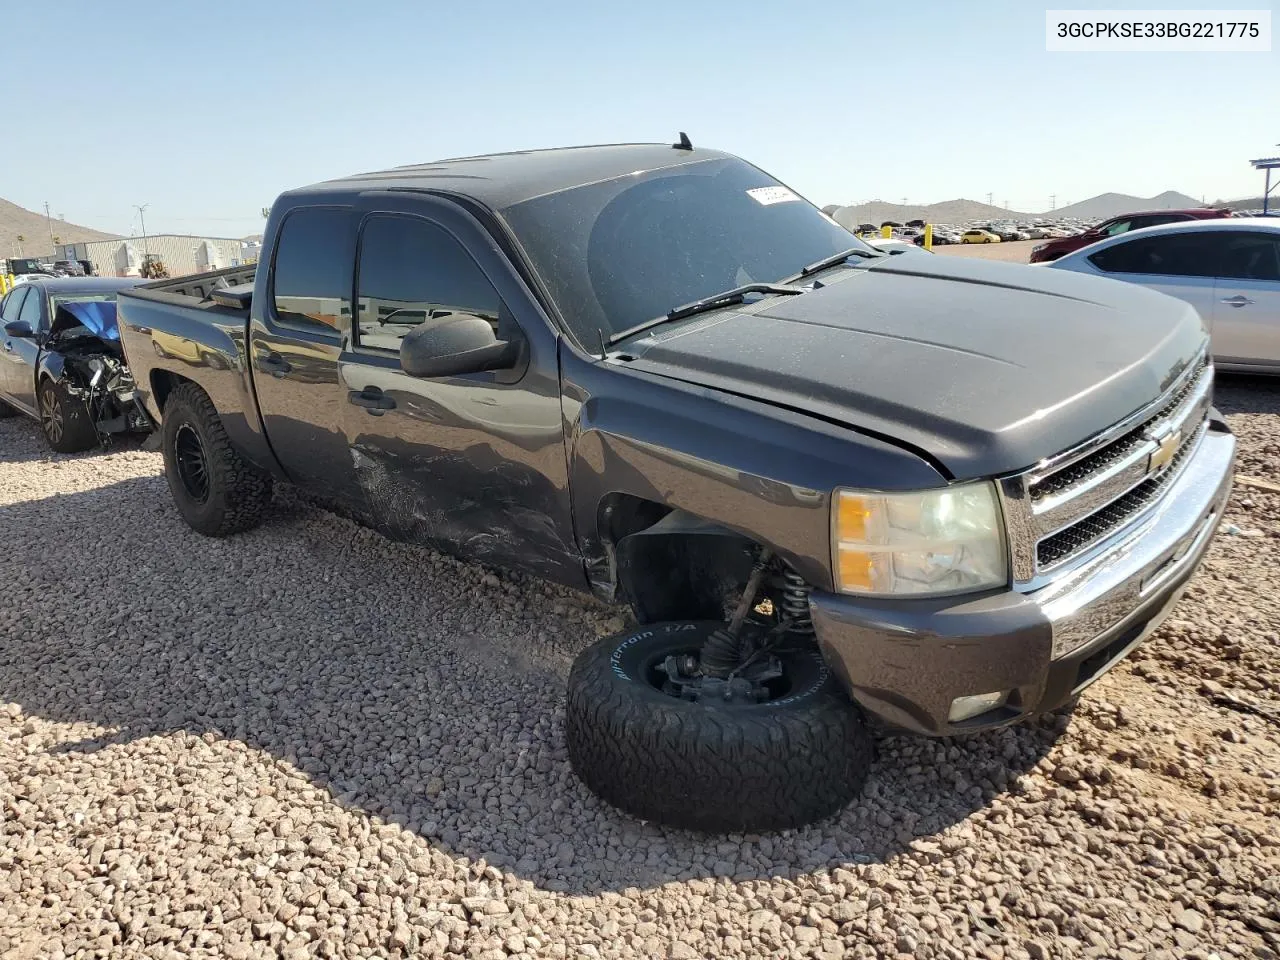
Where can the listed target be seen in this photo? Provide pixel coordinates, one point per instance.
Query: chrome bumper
(1099, 595)
(907, 661)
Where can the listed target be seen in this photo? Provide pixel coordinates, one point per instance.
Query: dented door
(473, 464)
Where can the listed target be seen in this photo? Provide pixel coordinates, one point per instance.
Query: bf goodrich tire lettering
(238, 492)
(710, 767)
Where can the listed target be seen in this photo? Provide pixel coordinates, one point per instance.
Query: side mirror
(20, 329)
(454, 345)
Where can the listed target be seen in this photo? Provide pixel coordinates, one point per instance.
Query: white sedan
(1228, 269)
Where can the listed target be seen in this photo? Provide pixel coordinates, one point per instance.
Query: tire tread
(240, 490)
(712, 770)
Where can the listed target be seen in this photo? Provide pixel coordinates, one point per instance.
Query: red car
(1054, 249)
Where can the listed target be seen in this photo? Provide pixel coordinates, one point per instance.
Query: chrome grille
(1114, 515)
(1083, 469)
(1068, 506)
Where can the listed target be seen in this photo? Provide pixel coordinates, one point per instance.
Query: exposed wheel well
(162, 385)
(672, 565)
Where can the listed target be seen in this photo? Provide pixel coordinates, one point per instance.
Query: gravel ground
(309, 741)
(1015, 251)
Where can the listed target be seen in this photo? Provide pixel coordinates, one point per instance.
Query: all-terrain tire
(235, 493)
(64, 419)
(712, 767)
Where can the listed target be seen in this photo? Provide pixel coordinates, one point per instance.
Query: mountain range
(958, 211)
(15, 221)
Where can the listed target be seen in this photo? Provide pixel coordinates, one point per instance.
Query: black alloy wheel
(193, 465)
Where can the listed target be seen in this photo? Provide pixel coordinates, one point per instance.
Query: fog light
(964, 708)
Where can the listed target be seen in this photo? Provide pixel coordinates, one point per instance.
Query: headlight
(1038, 247)
(932, 542)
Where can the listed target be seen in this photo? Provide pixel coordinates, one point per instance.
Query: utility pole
(49, 220)
(1053, 201)
(142, 208)
(1006, 204)
(989, 199)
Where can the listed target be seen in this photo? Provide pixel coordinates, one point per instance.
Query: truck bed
(201, 286)
(192, 329)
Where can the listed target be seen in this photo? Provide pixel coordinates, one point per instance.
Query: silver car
(1228, 269)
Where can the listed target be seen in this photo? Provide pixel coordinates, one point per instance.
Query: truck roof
(500, 180)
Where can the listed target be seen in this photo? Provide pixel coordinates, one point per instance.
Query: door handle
(372, 399)
(274, 364)
(1237, 301)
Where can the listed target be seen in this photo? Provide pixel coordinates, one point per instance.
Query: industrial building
(180, 254)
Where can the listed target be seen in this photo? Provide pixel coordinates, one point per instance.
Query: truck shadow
(404, 683)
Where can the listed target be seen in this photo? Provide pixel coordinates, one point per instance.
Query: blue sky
(206, 112)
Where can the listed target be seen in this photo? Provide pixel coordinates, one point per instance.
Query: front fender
(49, 364)
(757, 470)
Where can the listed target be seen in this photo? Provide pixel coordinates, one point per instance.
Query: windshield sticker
(768, 195)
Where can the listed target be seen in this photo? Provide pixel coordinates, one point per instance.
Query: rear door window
(1155, 219)
(311, 278)
(1251, 256)
(1170, 255)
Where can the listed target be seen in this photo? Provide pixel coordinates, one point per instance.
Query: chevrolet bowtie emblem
(1166, 448)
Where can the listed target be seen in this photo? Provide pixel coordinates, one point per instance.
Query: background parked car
(22, 278)
(1005, 231)
(1118, 225)
(977, 235)
(62, 363)
(1228, 269)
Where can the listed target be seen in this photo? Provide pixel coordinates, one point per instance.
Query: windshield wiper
(713, 302)
(834, 259)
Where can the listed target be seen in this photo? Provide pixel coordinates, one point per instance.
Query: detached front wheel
(713, 763)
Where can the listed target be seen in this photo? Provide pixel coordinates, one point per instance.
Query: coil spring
(795, 602)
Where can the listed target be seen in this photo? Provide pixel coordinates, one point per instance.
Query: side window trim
(383, 353)
(271, 316)
(17, 297)
(33, 299)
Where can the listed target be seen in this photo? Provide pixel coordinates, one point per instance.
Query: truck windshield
(617, 253)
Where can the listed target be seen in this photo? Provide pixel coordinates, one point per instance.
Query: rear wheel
(64, 419)
(216, 490)
(643, 740)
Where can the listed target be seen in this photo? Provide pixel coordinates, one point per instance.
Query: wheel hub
(51, 415)
(192, 464)
(688, 677)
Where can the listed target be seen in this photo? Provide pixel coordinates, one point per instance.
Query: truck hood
(984, 368)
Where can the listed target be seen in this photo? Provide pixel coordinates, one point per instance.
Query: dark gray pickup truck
(838, 489)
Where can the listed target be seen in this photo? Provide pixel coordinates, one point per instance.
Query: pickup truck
(840, 490)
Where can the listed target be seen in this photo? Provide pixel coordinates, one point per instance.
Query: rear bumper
(907, 661)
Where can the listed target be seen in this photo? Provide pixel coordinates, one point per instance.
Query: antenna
(684, 144)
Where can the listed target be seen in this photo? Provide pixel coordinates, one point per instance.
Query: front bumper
(906, 661)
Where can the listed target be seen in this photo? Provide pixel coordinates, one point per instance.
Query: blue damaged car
(62, 363)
